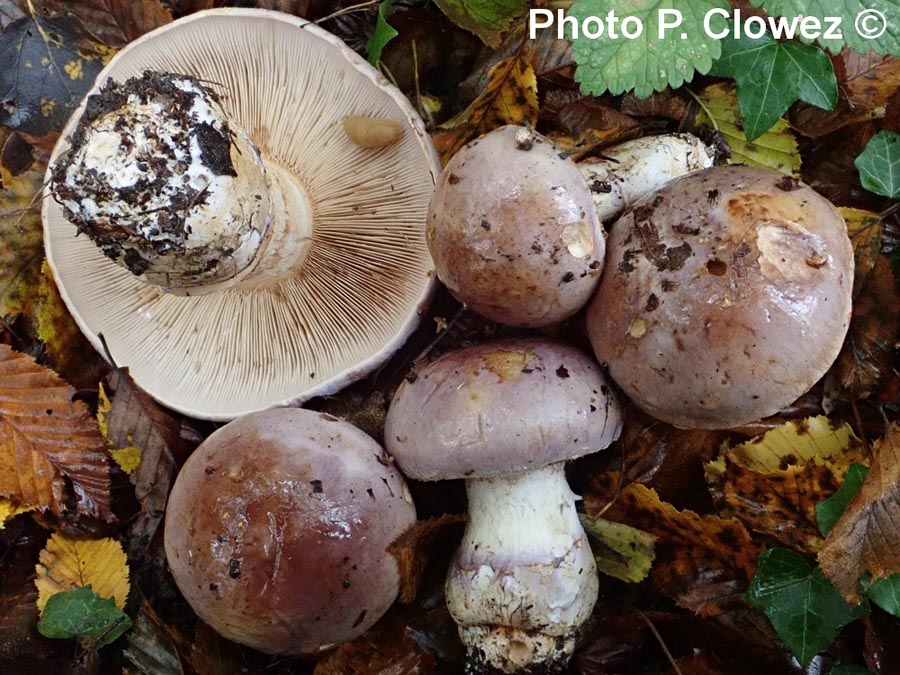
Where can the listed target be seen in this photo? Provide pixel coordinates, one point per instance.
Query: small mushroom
(277, 530)
(726, 296)
(262, 257)
(506, 416)
(514, 225)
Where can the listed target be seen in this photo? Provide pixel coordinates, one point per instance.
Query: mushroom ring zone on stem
(298, 275)
(506, 416)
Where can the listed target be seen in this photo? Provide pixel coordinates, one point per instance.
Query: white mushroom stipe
(168, 186)
(628, 171)
(524, 577)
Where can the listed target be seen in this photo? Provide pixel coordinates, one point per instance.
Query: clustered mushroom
(277, 531)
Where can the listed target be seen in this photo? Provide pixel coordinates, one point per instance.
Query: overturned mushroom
(506, 416)
(726, 296)
(265, 257)
(277, 530)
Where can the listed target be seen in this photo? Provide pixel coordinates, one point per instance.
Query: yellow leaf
(8, 511)
(128, 458)
(71, 563)
(510, 97)
(865, 229)
(621, 551)
(775, 149)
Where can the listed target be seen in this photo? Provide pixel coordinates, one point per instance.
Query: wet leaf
(805, 609)
(775, 149)
(886, 594)
(53, 65)
(129, 457)
(486, 18)
(829, 511)
(879, 164)
(384, 33)
(621, 551)
(211, 654)
(45, 438)
(509, 98)
(868, 352)
(150, 649)
(415, 547)
(84, 615)
(866, 538)
(865, 229)
(73, 563)
(9, 510)
(116, 22)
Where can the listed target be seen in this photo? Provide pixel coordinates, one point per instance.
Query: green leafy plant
(828, 512)
(383, 33)
(84, 615)
(879, 164)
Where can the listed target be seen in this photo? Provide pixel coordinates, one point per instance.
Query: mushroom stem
(165, 182)
(524, 578)
(630, 170)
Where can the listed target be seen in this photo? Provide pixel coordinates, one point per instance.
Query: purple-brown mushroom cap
(726, 295)
(498, 408)
(513, 230)
(277, 530)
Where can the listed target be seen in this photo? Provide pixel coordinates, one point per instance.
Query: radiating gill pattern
(368, 270)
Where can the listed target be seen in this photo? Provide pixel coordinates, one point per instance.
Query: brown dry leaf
(211, 654)
(116, 22)
(509, 98)
(667, 104)
(45, 438)
(866, 538)
(584, 125)
(868, 352)
(150, 648)
(72, 563)
(690, 547)
(415, 548)
(21, 236)
(865, 229)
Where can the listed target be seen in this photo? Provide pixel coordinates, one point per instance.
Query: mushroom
(726, 296)
(514, 225)
(264, 256)
(277, 530)
(506, 416)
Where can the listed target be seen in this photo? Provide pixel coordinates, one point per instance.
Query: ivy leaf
(772, 75)
(879, 164)
(646, 63)
(829, 511)
(806, 611)
(886, 594)
(848, 10)
(384, 33)
(486, 18)
(84, 615)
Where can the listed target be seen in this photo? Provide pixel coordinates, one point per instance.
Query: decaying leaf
(116, 22)
(45, 438)
(775, 149)
(868, 352)
(9, 510)
(486, 18)
(621, 551)
(150, 649)
(510, 97)
(865, 230)
(866, 538)
(415, 547)
(129, 457)
(211, 654)
(73, 563)
(585, 124)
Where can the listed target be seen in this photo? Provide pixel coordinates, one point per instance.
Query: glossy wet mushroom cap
(513, 230)
(726, 296)
(277, 531)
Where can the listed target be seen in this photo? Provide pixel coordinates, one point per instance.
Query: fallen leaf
(621, 551)
(82, 614)
(775, 149)
(383, 33)
(868, 352)
(865, 230)
(414, 549)
(211, 654)
(47, 438)
(866, 538)
(8, 511)
(829, 511)
(150, 648)
(510, 97)
(667, 104)
(73, 563)
(115, 22)
(584, 125)
(53, 64)
(129, 457)
(486, 18)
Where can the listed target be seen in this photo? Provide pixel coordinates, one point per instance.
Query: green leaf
(806, 611)
(621, 551)
(646, 63)
(886, 593)
(83, 614)
(850, 669)
(828, 511)
(772, 75)
(384, 33)
(486, 18)
(879, 164)
(848, 10)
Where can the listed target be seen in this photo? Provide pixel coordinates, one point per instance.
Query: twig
(661, 642)
(347, 10)
(703, 107)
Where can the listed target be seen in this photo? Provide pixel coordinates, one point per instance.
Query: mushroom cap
(513, 230)
(500, 407)
(367, 275)
(726, 296)
(277, 530)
